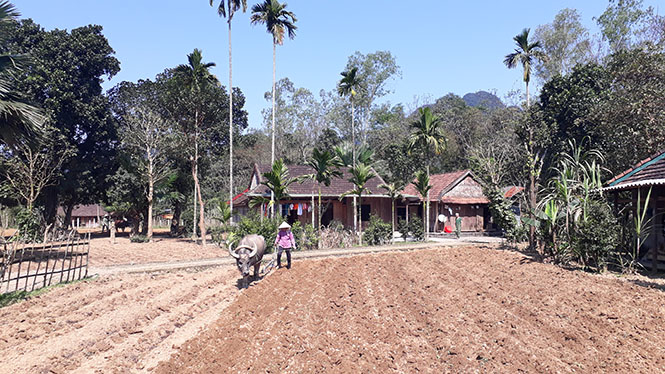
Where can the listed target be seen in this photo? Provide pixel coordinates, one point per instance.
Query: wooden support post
(653, 203)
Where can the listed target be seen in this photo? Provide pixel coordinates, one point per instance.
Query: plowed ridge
(465, 309)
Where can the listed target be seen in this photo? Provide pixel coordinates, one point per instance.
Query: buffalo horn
(254, 250)
(232, 252)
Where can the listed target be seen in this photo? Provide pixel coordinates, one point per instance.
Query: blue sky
(441, 46)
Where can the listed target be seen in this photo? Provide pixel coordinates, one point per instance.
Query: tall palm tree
(230, 7)
(347, 158)
(278, 21)
(19, 121)
(423, 187)
(526, 54)
(278, 182)
(347, 87)
(427, 136)
(394, 193)
(195, 76)
(323, 163)
(360, 175)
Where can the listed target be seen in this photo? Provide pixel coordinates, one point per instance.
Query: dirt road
(448, 310)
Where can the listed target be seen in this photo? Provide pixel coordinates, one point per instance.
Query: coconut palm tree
(19, 121)
(323, 163)
(347, 87)
(195, 76)
(278, 21)
(360, 175)
(394, 193)
(423, 187)
(525, 54)
(229, 8)
(427, 136)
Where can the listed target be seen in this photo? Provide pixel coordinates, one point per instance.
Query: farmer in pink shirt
(284, 242)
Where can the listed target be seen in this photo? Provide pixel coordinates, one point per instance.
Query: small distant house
(456, 192)
(89, 215)
(648, 174)
(301, 205)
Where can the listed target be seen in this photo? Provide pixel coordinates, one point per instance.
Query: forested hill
(483, 99)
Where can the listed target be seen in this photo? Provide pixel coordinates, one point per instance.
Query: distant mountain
(483, 99)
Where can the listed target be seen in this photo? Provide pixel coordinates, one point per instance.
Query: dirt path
(458, 309)
(117, 324)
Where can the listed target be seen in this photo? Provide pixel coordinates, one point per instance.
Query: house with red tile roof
(647, 175)
(456, 192)
(301, 206)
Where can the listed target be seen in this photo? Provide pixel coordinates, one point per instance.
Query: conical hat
(284, 225)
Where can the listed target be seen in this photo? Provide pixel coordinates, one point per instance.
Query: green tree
(626, 24)
(526, 54)
(323, 163)
(394, 193)
(360, 175)
(345, 158)
(20, 119)
(565, 42)
(347, 87)
(231, 7)
(195, 75)
(65, 79)
(427, 137)
(423, 187)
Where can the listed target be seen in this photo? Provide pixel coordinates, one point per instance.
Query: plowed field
(448, 310)
(120, 324)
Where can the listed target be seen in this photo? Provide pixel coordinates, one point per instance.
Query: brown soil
(162, 249)
(447, 310)
(119, 324)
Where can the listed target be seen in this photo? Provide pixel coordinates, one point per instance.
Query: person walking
(458, 225)
(285, 241)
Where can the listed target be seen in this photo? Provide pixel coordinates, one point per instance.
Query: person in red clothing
(285, 241)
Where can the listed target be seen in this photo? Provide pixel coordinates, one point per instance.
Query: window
(364, 212)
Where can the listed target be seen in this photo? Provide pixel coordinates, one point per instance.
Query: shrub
(597, 237)
(416, 228)
(306, 236)
(28, 224)
(139, 239)
(403, 228)
(502, 214)
(252, 224)
(377, 232)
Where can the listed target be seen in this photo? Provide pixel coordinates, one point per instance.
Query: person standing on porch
(458, 225)
(285, 241)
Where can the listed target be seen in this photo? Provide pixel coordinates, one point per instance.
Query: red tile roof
(440, 183)
(91, 210)
(649, 169)
(512, 191)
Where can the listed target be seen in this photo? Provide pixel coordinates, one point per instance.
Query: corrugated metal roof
(651, 168)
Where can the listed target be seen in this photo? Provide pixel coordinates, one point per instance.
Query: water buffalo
(248, 253)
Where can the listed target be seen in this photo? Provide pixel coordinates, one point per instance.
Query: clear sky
(441, 46)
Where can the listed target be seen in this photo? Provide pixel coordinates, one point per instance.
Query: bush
(306, 236)
(596, 238)
(28, 224)
(503, 215)
(378, 232)
(335, 236)
(416, 228)
(139, 239)
(252, 224)
(403, 228)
